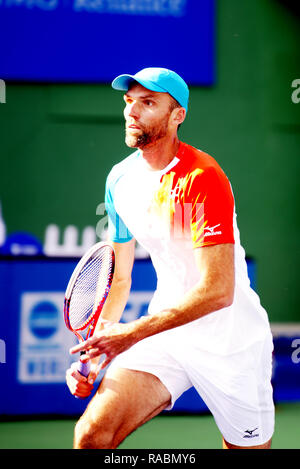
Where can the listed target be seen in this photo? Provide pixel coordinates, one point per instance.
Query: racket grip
(84, 368)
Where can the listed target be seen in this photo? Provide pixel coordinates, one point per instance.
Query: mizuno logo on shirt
(210, 231)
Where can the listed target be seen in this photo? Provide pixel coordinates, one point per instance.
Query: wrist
(105, 323)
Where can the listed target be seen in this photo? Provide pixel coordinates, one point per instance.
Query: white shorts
(236, 388)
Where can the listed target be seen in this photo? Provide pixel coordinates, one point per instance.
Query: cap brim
(122, 82)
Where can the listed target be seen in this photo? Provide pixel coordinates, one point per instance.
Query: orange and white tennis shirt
(186, 206)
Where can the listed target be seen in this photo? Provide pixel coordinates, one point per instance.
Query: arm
(121, 284)
(112, 311)
(215, 290)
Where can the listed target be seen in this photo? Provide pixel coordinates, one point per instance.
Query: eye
(149, 103)
(127, 100)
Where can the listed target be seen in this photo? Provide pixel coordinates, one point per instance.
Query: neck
(161, 153)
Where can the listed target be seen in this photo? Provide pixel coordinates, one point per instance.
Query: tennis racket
(86, 293)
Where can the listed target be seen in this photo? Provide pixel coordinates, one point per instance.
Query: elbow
(225, 298)
(227, 301)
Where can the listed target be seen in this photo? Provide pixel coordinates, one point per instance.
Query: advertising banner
(35, 343)
(96, 40)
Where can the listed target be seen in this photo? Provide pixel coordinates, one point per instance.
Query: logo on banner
(44, 339)
(44, 320)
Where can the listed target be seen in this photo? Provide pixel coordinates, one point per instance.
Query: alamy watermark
(166, 221)
(2, 92)
(2, 351)
(296, 93)
(296, 352)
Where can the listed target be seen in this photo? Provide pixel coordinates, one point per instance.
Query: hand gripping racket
(86, 293)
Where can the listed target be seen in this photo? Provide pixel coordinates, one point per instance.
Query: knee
(89, 435)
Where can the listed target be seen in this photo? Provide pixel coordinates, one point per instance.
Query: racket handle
(84, 368)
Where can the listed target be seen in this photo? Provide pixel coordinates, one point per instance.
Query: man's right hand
(79, 385)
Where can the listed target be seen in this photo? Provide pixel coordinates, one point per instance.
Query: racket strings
(90, 288)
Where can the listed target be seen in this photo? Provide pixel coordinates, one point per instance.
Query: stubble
(148, 135)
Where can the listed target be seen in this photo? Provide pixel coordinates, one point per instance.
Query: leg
(124, 401)
(227, 445)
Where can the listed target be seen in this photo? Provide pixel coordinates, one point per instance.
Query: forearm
(116, 301)
(214, 291)
(201, 300)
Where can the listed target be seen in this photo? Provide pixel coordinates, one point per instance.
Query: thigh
(125, 400)
(153, 356)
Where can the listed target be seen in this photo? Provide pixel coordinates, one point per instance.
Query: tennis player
(206, 327)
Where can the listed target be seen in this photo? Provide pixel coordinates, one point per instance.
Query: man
(206, 327)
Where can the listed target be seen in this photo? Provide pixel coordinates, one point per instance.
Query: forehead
(136, 90)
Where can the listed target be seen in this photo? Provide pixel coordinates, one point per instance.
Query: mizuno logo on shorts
(250, 433)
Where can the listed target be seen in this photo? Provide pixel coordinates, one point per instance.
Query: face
(147, 115)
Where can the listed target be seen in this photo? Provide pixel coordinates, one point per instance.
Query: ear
(179, 115)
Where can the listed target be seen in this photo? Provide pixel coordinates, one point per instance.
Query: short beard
(149, 136)
(143, 140)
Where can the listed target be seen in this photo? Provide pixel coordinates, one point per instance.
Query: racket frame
(92, 320)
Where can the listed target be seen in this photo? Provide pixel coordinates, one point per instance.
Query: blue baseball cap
(157, 79)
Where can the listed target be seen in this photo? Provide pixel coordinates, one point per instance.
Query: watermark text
(296, 93)
(2, 92)
(296, 352)
(2, 351)
(166, 221)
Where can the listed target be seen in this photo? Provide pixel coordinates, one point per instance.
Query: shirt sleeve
(117, 230)
(212, 209)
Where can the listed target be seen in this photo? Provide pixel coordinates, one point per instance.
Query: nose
(132, 109)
